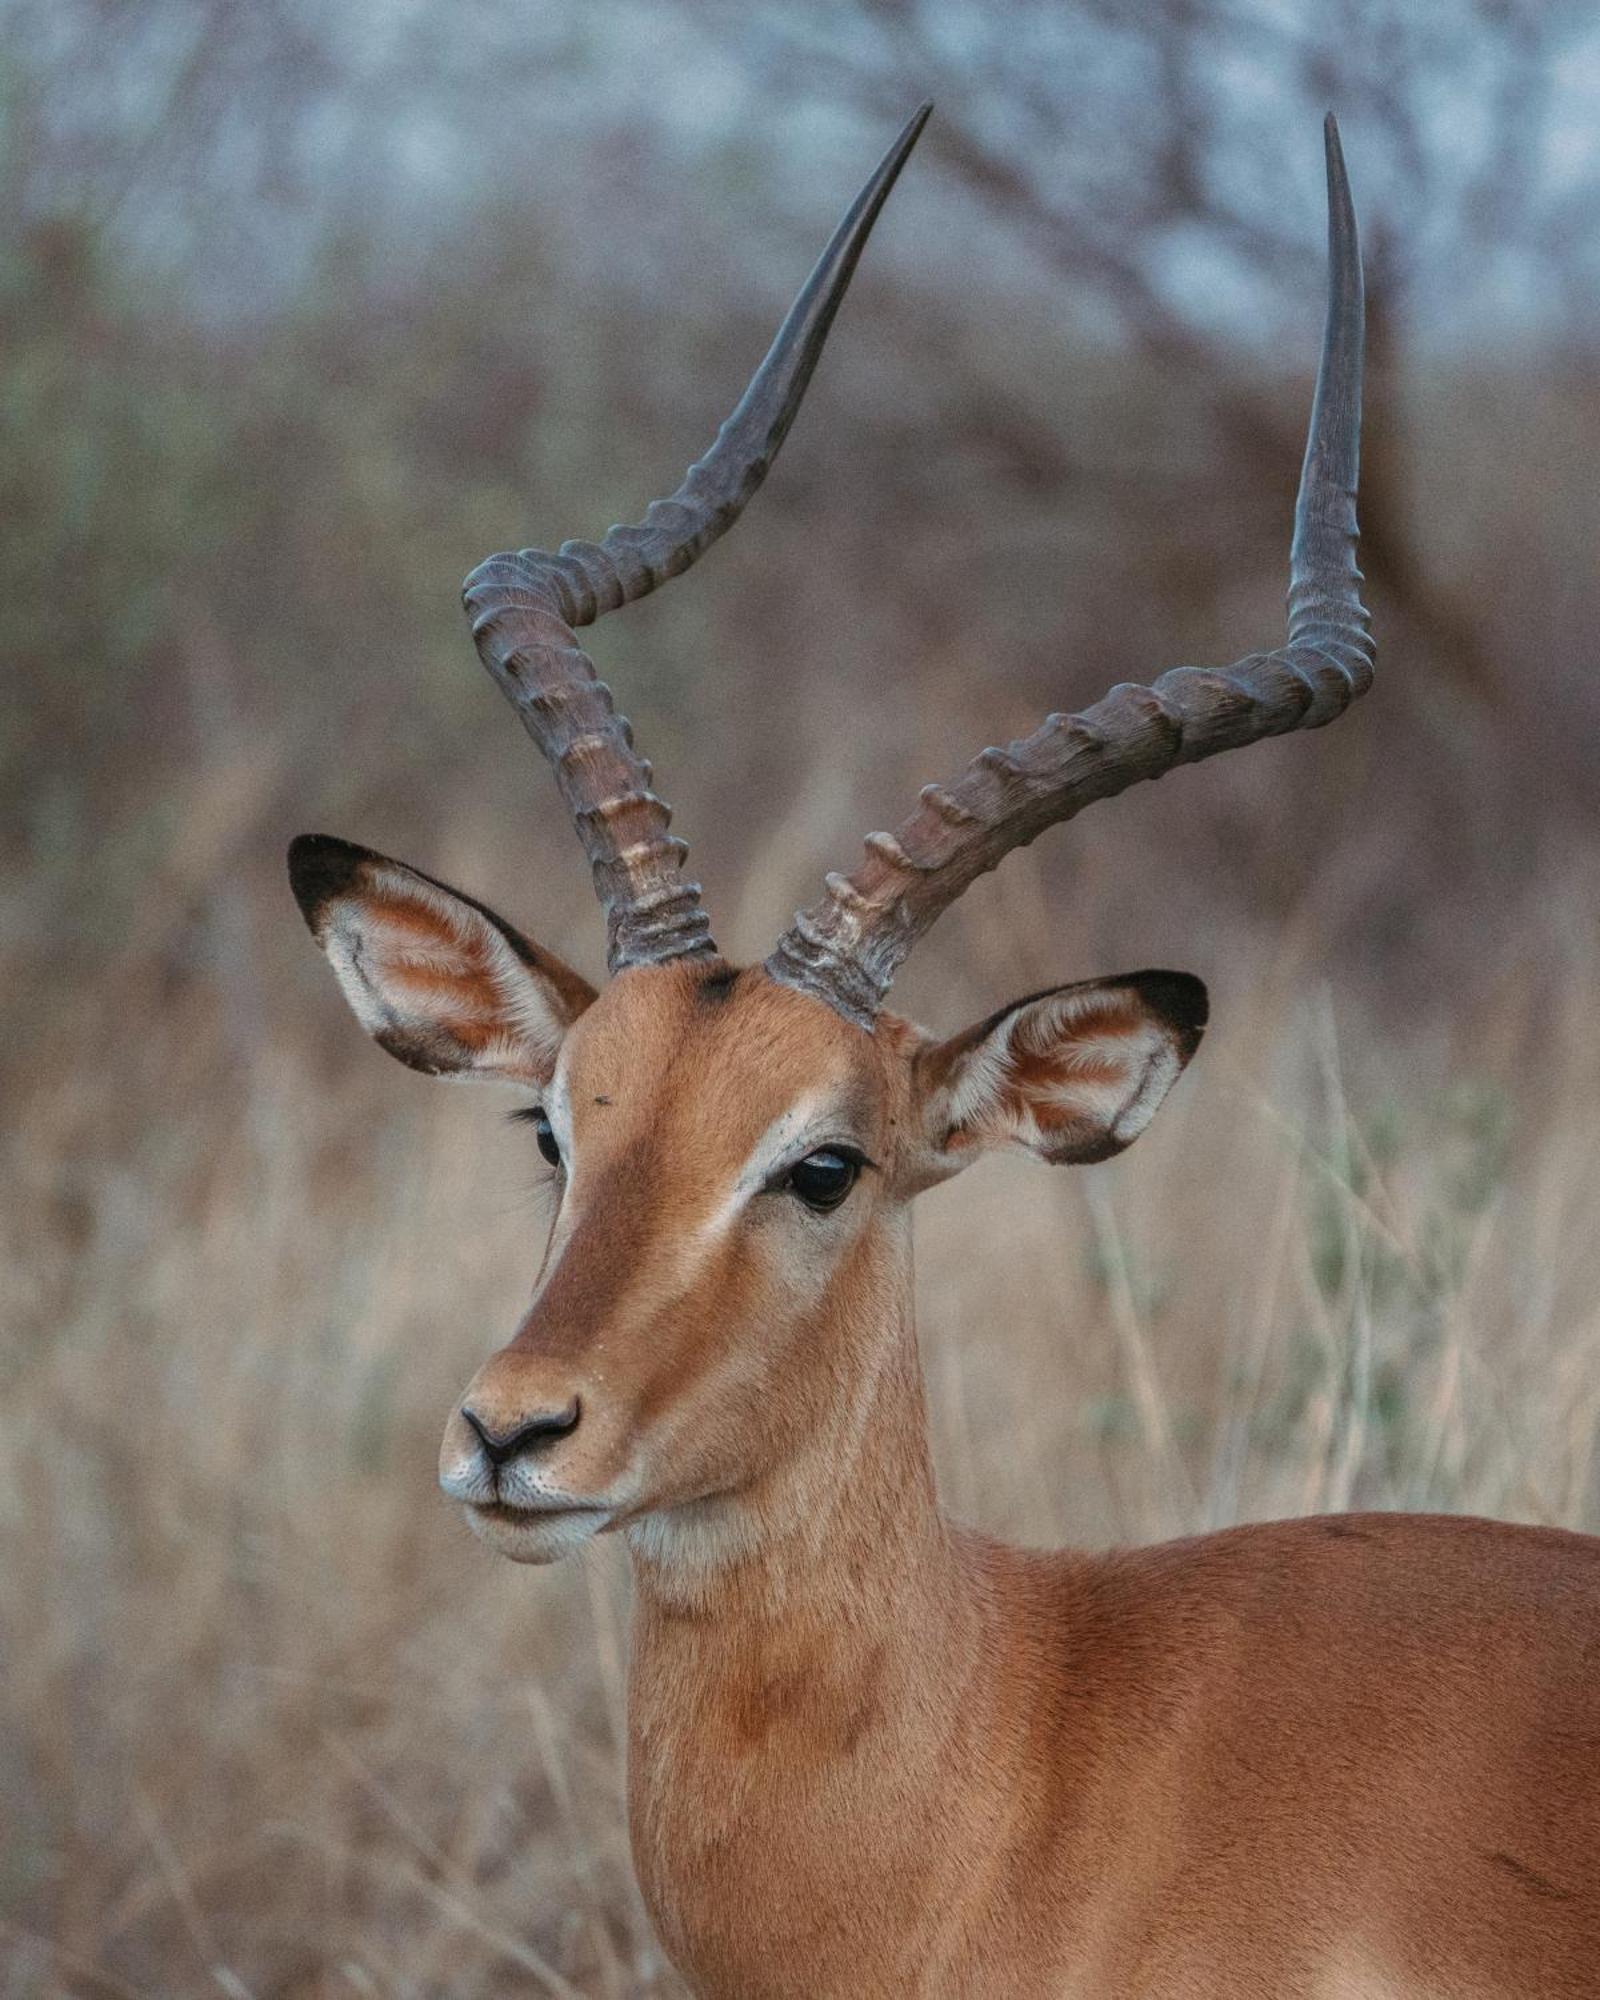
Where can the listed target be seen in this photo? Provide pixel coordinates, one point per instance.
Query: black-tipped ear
(1072, 1074)
(320, 867)
(436, 978)
(1176, 998)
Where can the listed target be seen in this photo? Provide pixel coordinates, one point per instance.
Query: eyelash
(784, 1182)
(536, 1116)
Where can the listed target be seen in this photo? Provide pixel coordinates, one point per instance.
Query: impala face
(720, 1154)
(733, 1163)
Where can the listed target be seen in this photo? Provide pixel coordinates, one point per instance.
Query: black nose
(500, 1447)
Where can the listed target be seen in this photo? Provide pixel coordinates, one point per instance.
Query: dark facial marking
(717, 985)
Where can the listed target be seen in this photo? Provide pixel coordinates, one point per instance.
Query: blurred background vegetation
(302, 312)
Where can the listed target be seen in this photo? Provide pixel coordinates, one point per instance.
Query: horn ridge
(525, 608)
(847, 947)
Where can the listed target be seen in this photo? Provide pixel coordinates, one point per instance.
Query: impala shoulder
(1365, 1589)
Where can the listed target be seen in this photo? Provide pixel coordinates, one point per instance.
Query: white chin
(529, 1537)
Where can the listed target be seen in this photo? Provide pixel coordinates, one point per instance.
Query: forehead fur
(720, 1052)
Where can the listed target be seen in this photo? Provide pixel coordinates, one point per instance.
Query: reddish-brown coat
(873, 1754)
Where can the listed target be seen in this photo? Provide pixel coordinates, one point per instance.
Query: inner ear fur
(1074, 1073)
(434, 976)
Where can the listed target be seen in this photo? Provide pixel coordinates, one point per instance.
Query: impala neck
(822, 1661)
(854, 1502)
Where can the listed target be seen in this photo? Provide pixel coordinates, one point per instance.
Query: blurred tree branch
(1100, 135)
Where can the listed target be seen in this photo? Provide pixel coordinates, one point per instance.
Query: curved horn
(524, 608)
(846, 948)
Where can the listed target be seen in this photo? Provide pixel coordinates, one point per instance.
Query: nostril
(500, 1447)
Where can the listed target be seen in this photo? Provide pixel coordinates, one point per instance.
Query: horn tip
(1333, 148)
(1342, 231)
(900, 151)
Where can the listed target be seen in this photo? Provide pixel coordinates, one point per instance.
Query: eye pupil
(546, 1139)
(822, 1180)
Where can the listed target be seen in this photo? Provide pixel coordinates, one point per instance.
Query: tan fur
(873, 1754)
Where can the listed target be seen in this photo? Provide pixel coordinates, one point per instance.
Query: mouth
(534, 1534)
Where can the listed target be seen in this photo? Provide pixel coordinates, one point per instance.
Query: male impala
(870, 1752)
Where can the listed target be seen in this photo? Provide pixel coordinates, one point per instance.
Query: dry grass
(276, 1726)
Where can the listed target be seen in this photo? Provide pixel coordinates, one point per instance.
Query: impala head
(735, 1150)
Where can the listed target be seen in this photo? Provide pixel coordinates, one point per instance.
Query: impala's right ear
(435, 978)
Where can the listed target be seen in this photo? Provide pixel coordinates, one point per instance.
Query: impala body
(871, 1753)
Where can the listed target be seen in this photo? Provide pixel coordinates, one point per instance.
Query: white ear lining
(981, 1076)
(1162, 1070)
(372, 957)
(987, 1101)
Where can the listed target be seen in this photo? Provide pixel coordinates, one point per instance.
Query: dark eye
(822, 1180)
(543, 1134)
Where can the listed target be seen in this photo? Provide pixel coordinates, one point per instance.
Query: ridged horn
(846, 948)
(525, 608)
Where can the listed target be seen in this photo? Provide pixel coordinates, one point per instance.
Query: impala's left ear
(1074, 1074)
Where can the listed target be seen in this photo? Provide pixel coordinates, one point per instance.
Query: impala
(871, 1752)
